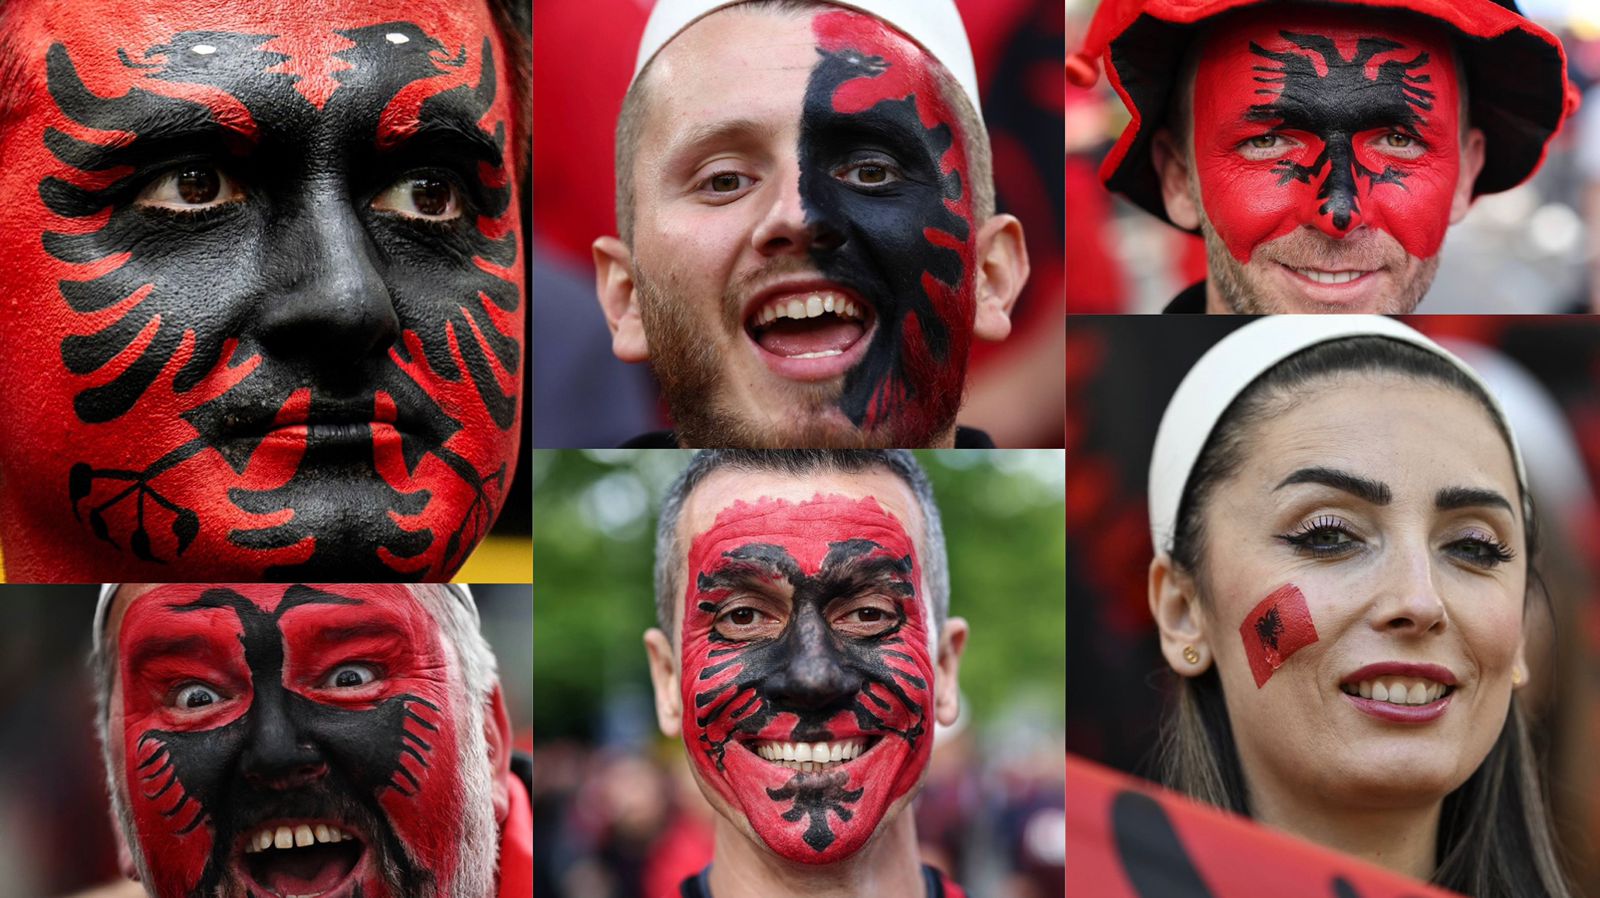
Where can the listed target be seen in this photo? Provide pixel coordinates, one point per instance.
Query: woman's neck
(887, 865)
(1402, 839)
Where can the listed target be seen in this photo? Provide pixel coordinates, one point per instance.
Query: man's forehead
(718, 498)
(150, 597)
(1266, 26)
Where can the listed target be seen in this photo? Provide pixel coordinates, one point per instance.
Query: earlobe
(947, 679)
(497, 737)
(664, 678)
(619, 299)
(1002, 271)
(1172, 168)
(1472, 161)
(1174, 605)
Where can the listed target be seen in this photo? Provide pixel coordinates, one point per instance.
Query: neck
(887, 865)
(1403, 839)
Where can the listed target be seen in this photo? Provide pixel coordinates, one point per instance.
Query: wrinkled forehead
(1312, 33)
(144, 614)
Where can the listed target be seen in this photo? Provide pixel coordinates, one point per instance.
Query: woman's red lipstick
(1391, 711)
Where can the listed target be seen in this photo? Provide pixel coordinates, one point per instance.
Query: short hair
(798, 463)
(630, 127)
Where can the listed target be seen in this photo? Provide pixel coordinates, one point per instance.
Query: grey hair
(798, 463)
(458, 620)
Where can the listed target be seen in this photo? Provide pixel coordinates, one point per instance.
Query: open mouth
(813, 757)
(300, 859)
(821, 324)
(1399, 690)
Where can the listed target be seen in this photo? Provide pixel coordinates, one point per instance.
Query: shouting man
(808, 238)
(266, 295)
(338, 741)
(810, 656)
(1323, 150)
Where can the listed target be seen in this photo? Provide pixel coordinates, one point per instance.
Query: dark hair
(1495, 838)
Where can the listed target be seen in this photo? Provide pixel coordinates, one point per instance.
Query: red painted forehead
(152, 615)
(804, 528)
(1228, 50)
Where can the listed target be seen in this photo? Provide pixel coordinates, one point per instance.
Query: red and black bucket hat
(1518, 92)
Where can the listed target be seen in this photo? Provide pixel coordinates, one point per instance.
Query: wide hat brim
(1517, 83)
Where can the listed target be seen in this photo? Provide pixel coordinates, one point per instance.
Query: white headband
(934, 24)
(107, 590)
(1231, 366)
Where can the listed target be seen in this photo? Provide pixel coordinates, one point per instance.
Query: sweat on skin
(270, 291)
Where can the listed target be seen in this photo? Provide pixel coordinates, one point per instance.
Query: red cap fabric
(1517, 83)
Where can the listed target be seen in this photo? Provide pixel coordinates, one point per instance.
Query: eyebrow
(1454, 497)
(148, 650)
(1370, 491)
(445, 130)
(154, 137)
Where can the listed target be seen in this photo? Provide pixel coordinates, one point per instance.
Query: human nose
(1410, 601)
(1337, 205)
(277, 756)
(816, 675)
(332, 308)
(791, 225)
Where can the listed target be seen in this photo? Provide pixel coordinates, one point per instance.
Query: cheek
(1245, 203)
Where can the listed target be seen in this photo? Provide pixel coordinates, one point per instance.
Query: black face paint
(1337, 106)
(904, 246)
(301, 306)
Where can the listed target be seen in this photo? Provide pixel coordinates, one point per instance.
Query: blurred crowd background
(1532, 249)
(583, 59)
(616, 811)
(55, 825)
(1122, 372)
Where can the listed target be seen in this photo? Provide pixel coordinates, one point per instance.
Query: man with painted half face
(266, 287)
(809, 660)
(808, 244)
(1322, 150)
(333, 741)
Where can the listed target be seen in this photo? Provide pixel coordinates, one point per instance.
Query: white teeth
(1366, 689)
(1418, 694)
(820, 354)
(827, 303)
(299, 836)
(809, 756)
(795, 309)
(1380, 692)
(284, 838)
(322, 833)
(836, 751)
(802, 752)
(303, 836)
(1399, 691)
(1329, 277)
(813, 306)
(808, 307)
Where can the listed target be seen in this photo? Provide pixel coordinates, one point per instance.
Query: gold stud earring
(1191, 655)
(1516, 676)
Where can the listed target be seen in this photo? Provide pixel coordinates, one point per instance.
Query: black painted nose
(817, 674)
(277, 757)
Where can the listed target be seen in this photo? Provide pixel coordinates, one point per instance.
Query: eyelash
(1300, 539)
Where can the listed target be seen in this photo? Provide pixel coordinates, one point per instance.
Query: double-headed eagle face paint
(290, 741)
(806, 669)
(266, 289)
(1309, 119)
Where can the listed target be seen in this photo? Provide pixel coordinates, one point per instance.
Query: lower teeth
(826, 353)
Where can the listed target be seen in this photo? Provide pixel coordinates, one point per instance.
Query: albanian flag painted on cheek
(250, 707)
(804, 625)
(1305, 121)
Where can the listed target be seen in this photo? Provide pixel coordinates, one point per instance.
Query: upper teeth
(1329, 277)
(294, 837)
(1398, 690)
(807, 307)
(808, 756)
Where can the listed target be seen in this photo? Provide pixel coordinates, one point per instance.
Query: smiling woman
(1344, 548)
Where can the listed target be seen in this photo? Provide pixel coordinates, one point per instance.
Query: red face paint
(1317, 119)
(268, 291)
(829, 672)
(248, 708)
(1276, 628)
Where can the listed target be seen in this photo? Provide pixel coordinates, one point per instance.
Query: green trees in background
(594, 532)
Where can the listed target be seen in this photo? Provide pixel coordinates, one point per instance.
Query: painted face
(1365, 591)
(1328, 147)
(807, 678)
(290, 741)
(806, 272)
(269, 291)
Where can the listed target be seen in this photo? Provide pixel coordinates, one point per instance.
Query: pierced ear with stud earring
(1516, 676)
(1191, 655)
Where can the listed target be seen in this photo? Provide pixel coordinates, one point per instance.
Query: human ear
(1172, 168)
(947, 669)
(497, 738)
(664, 677)
(1002, 271)
(1472, 158)
(619, 299)
(1174, 605)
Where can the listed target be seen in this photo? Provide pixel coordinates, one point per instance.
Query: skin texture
(1407, 579)
(805, 659)
(1322, 141)
(797, 155)
(270, 297)
(243, 706)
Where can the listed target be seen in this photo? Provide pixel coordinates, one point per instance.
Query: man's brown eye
(1264, 141)
(431, 196)
(870, 615)
(725, 182)
(1399, 141)
(742, 617)
(198, 186)
(873, 174)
